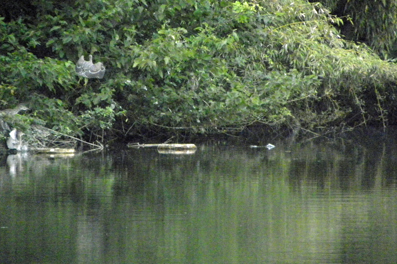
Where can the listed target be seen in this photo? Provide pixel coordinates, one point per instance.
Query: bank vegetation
(191, 68)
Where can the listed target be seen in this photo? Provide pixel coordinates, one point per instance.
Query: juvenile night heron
(88, 69)
(13, 111)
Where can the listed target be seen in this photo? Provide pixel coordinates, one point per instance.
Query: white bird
(88, 69)
(80, 66)
(15, 141)
(88, 64)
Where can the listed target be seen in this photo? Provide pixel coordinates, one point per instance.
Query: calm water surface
(329, 202)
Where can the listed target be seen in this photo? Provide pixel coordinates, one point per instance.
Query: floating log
(54, 150)
(176, 146)
(177, 151)
(57, 155)
(162, 146)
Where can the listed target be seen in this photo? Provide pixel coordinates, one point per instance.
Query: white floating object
(270, 146)
(163, 146)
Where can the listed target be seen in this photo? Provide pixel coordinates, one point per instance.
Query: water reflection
(90, 239)
(332, 202)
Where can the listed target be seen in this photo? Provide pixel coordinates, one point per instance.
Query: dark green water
(332, 202)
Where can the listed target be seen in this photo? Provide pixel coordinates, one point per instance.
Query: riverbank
(190, 70)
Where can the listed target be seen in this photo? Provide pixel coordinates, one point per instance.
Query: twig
(85, 142)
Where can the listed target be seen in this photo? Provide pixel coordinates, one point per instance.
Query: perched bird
(13, 111)
(88, 64)
(15, 141)
(7, 113)
(82, 66)
(79, 66)
(88, 69)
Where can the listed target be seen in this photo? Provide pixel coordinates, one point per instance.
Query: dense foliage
(370, 21)
(191, 67)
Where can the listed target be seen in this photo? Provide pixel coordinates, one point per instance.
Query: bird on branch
(88, 69)
(13, 111)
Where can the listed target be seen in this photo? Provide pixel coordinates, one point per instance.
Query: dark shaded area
(15, 9)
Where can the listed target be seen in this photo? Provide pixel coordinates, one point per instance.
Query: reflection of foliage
(173, 207)
(200, 66)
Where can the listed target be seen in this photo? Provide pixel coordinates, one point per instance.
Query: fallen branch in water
(47, 138)
(99, 146)
(162, 146)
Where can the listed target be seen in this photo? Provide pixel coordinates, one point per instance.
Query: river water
(333, 201)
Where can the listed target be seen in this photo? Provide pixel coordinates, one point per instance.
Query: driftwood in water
(162, 146)
(177, 151)
(43, 138)
(54, 150)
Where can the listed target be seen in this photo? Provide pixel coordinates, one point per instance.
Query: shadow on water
(324, 201)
